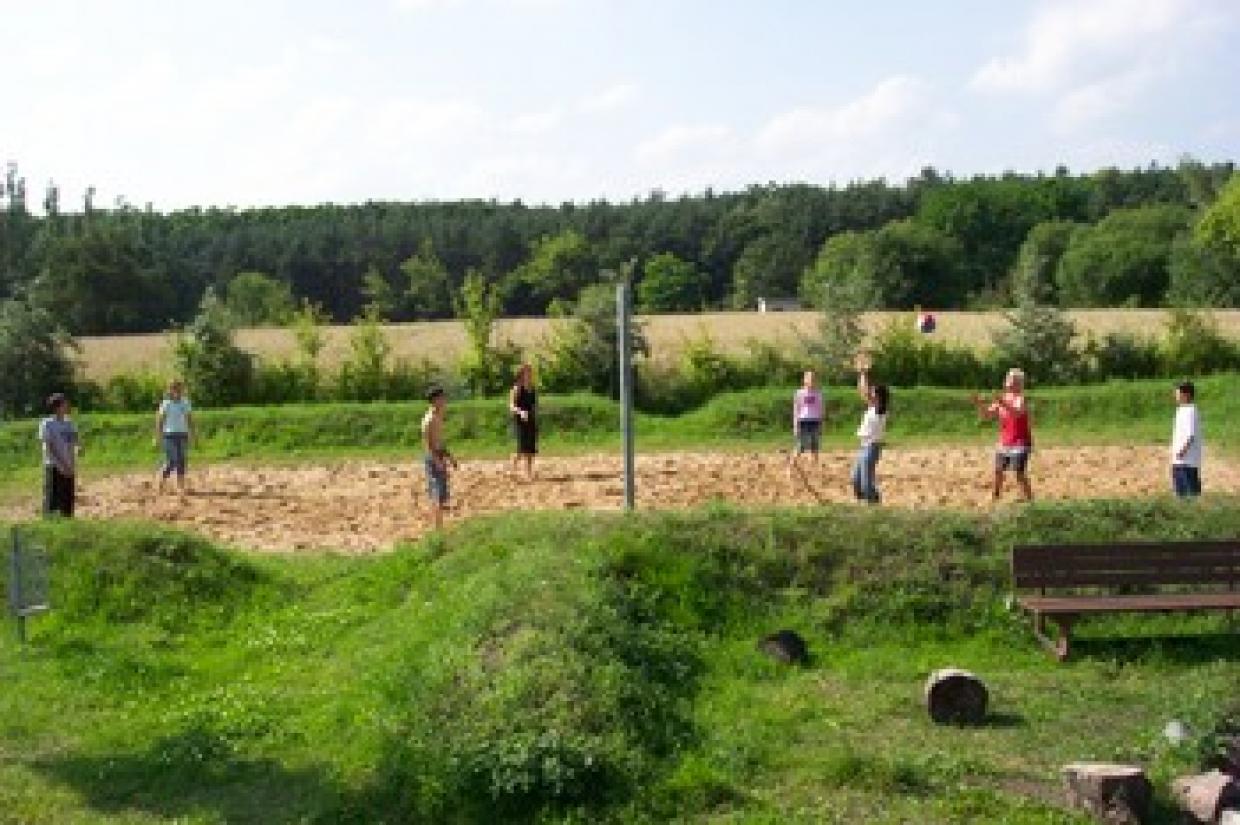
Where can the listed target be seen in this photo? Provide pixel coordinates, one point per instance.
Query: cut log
(1229, 817)
(955, 696)
(786, 646)
(1206, 795)
(1110, 793)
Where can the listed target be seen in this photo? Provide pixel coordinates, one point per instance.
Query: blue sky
(275, 101)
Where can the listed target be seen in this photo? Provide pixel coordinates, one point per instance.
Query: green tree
(34, 358)
(558, 266)
(218, 372)
(669, 285)
(487, 368)
(583, 354)
(256, 300)
(1038, 259)
(428, 293)
(381, 298)
(844, 266)
(103, 279)
(363, 374)
(840, 331)
(1039, 339)
(1202, 275)
(1219, 227)
(1122, 260)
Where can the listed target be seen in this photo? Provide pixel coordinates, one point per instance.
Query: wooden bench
(1206, 575)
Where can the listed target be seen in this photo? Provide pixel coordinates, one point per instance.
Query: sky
(181, 103)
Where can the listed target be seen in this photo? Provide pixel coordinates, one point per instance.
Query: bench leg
(1065, 632)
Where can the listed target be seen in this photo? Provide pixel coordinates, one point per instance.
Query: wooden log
(1229, 817)
(786, 646)
(1115, 794)
(955, 696)
(1207, 795)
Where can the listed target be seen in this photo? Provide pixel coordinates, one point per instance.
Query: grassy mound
(575, 668)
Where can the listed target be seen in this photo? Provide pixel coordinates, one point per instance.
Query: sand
(366, 506)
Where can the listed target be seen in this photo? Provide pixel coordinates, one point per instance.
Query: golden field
(444, 341)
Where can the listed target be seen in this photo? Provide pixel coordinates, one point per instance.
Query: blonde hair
(1015, 376)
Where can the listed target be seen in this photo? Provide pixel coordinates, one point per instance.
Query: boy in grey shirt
(60, 448)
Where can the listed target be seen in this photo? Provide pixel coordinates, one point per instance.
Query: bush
(132, 392)
(1194, 346)
(1119, 355)
(217, 371)
(904, 357)
(34, 360)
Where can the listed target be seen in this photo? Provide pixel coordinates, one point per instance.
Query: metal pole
(626, 385)
(15, 587)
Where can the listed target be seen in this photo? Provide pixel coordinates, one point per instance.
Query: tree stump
(955, 696)
(786, 646)
(1229, 817)
(1116, 794)
(1206, 795)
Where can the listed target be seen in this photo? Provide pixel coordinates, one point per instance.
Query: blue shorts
(436, 481)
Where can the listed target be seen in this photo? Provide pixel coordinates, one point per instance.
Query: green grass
(1127, 412)
(589, 668)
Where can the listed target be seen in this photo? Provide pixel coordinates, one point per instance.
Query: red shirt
(1014, 430)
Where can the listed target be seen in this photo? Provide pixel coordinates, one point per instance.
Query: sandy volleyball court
(364, 506)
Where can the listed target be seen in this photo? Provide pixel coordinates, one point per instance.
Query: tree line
(1143, 237)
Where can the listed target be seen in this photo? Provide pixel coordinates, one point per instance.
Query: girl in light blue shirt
(174, 426)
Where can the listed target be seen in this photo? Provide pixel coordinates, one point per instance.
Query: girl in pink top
(807, 415)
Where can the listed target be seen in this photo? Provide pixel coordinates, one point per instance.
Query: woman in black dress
(522, 406)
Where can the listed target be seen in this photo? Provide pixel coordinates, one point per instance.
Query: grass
(1117, 412)
(588, 668)
(444, 342)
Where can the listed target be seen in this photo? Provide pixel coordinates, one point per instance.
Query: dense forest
(1144, 237)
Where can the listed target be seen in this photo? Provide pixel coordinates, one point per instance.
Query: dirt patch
(363, 506)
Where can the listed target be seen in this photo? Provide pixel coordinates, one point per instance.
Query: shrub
(1119, 355)
(363, 374)
(905, 357)
(34, 359)
(217, 371)
(1194, 346)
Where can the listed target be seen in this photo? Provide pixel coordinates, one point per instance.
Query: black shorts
(1012, 458)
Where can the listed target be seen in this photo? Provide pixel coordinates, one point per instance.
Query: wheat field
(445, 341)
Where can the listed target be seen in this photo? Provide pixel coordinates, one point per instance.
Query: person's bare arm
(986, 409)
(863, 384)
(512, 403)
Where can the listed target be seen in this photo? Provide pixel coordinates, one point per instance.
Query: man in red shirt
(1015, 434)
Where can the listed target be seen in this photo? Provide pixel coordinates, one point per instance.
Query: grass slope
(1122, 411)
(583, 668)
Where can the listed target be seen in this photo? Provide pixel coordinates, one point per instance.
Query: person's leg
(1179, 481)
(815, 441)
(871, 473)
(70, 495)
(180, 455)
(1022, 477)
(62, 493)
(529, 466)
(1194, 480)
(858, 469)
(49, 490)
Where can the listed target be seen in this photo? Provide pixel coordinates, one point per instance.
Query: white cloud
(677, 141)
(892, 103)
(1098, 58)
(536, 123)
(611, 99)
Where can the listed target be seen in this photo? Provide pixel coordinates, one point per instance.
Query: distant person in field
(871, 433)
(174, 429)
(1186, 443)
(436, 458)
(61, 447)
(523, 407)
(1011, 408)
(807, 415)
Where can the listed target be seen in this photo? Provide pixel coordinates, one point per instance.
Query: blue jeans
(1186, 481)
(176, 453)
(864, 478)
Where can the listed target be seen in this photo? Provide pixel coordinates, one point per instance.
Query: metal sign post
(28, 583)
(626, 382)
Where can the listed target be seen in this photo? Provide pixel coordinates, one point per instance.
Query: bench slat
(1104, 578)
(1106, 604)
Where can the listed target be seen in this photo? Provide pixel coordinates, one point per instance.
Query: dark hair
(882, 396)
(1187, 389)
(56, 400)
(434, 392)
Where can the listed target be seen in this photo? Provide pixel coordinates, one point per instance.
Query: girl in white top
(871, 432)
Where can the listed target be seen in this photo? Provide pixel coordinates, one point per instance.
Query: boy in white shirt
(1186, 443)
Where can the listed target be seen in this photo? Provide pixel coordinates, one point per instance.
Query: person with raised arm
(1011, 409)
(871, 433)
